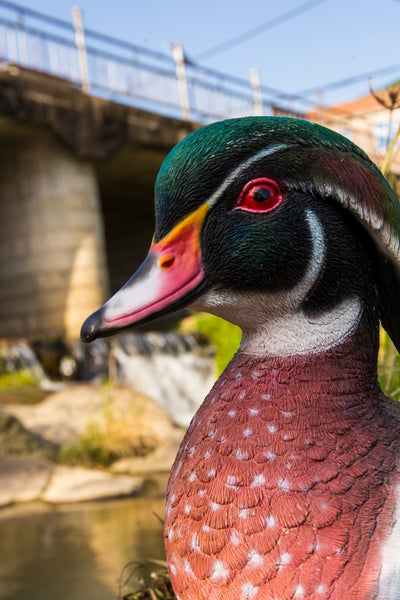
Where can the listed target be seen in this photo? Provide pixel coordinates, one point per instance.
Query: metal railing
(124, 72)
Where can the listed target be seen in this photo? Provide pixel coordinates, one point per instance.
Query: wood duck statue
(287, 483)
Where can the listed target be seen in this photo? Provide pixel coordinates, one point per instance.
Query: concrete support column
(52, 255)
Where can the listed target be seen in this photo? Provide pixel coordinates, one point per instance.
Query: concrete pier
(76, 200)
(52, 253)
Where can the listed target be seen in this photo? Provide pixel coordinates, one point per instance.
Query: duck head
(280, 226)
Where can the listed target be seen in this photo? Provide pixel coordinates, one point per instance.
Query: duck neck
(323, 384)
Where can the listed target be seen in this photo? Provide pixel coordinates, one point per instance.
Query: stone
(159, 461)
(15, 439)
(23, 479)
(77, 484)
(65, 415)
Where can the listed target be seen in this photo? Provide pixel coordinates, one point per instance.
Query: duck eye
(259, 195)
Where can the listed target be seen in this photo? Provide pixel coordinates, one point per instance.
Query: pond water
(78, 552)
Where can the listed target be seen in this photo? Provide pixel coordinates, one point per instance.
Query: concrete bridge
(76, 199)
(85, 122)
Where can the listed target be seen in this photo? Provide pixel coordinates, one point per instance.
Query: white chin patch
(273, 324)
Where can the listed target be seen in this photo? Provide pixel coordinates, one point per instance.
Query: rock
(76, 484)
(62, 416)
(23, 479)
(159, 461)
(15, 439)
(65, 415)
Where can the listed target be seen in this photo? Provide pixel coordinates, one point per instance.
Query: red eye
(259, 195)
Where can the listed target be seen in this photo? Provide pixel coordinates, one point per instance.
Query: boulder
(77, 484)
(23, 478)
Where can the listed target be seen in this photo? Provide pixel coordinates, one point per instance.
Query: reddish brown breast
(284, 484)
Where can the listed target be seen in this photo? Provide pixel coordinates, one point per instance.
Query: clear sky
(334, 40)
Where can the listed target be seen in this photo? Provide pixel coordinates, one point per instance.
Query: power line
(239, 39)
(333, 85)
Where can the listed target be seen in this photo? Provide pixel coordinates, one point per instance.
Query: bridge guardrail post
(257, 94)
(81, 46)
(178, 56)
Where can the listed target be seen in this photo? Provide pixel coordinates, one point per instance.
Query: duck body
(287, 483)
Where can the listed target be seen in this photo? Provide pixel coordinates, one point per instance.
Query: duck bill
(170, 277)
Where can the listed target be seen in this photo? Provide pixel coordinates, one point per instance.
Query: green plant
(157, 588)
(17, 379)
(223, 336)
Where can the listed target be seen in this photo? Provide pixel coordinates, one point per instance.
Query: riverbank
(86, 442)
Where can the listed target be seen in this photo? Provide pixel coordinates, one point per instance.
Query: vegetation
(102, 446)
(125, 427)
(224, 337)
(20, 386)
(157, 588)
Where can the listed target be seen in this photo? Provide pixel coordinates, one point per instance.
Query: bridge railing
(124, 72)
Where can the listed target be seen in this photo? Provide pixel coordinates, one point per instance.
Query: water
(78, 552)
(172, 369)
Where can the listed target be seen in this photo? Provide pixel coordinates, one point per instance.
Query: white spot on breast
(285, 558)
(170, 534)
(321, 589)
(247, 432)
(219, 571)
(188, 569)
(188, 508)
(231, 480)
(214, 506)
(256, 374)
(241, 455)
(242, 395)
(269, 455)
(195, 543)
(192, 476)
(270, 521)
(236, 538)
(272, 428)
(202, 493)
(207, 454)
(253, 411)
(299, 591)
(266, 396)
(243, 513)
(172, 568)
(191, 451)
(231, 413)
(284, 484)
(255, 559)
(249, 590)
(211, 474)
(212, 433)
(238, 376)
(259, 480)
(287, 414)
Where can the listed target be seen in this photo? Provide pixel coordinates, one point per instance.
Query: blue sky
(334, 40)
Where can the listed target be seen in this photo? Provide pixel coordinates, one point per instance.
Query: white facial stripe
(299, 293)
(244, 165)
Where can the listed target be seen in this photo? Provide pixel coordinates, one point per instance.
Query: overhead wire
(278, 20)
